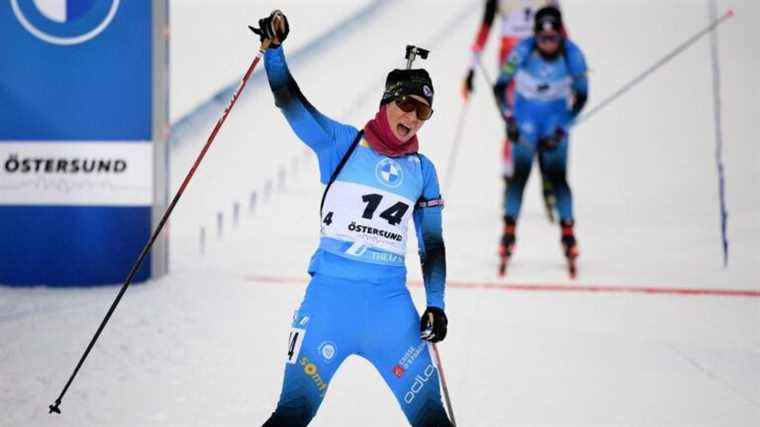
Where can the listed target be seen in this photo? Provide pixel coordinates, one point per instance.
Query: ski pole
(489, 82)
(443, 384)
(670, 55)
(486, 76)
(264, 45)
(455, 146)
(718, 118)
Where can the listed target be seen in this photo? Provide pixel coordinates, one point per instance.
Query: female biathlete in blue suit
(357, 302)
(548, 71)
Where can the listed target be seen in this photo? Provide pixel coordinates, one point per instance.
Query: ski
(550, 200)
(547, 193)
(550, 203)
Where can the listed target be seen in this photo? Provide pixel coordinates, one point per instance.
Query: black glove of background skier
(579, 101)
(274, 28)
(551, 142)
(433, 325)
(500, 93)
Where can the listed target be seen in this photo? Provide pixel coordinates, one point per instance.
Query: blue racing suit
(543, 89)
(357, 302)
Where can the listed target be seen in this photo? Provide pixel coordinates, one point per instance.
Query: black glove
(551, 142)
(500, 92)
(513, 132)
(468, 86)
(579, 101)
(274, 28)
(433, 325)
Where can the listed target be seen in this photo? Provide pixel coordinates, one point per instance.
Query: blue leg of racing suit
(555, 162)
(555, 170)
(522, 158)
(536, 122)
(341, 317)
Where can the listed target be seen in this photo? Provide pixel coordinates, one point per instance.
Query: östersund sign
(76, 173)
(83, 151)
(65, 22)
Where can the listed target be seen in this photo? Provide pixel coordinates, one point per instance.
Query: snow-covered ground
(205, 345)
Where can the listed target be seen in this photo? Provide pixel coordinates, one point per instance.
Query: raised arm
(489, 14)
(478, 45)
(311, 126)
(329, 139)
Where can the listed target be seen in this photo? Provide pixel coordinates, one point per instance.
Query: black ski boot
(507, 244)
(570, 246)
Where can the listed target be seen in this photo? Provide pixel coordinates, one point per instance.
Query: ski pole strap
(339, 168)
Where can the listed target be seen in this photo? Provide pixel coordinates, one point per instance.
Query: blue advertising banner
(59, 85)
(76, 140)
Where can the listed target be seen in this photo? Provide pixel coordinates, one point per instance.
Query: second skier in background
(551, 89)
(516, 22)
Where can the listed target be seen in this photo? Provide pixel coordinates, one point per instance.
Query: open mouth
(403, 130)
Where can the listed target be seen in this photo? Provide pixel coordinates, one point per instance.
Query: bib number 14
(393, 214)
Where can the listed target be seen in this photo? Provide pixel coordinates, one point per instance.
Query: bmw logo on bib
(65, 22)
(389, 172)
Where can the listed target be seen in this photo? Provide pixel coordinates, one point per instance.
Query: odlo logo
(65, 22)
(312, 372)
(419, 382)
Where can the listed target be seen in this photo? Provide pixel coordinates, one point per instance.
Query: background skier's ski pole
(490, 83)
(454, 153)
(56, 406)
(444, 386)
(718, 117)
(455, 146)
(638, 79)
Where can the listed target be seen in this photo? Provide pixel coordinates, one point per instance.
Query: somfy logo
(65, 22)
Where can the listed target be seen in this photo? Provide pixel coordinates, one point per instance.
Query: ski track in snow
(205, 345)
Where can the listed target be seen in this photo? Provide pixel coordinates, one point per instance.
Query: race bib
(367, 216)
(538, 89)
